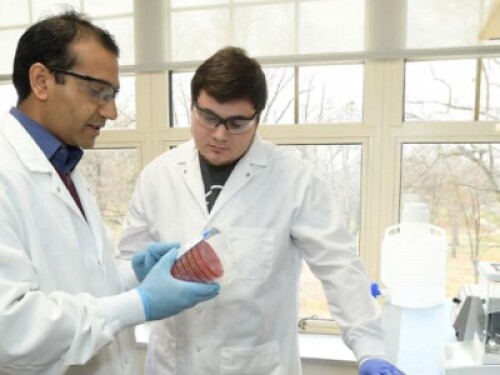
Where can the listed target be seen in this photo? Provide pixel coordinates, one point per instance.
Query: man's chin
(217, 160)
(88, 145)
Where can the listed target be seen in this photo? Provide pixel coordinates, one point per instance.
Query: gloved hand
(163, 295)
(377, 366)
(143, 261)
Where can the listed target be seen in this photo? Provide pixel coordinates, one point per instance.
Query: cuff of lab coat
(122, 310)
(369, 349)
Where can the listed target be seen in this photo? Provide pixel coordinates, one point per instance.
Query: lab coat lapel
(251, 165)
(92, 213)
(189, 167)
(61, 192)
(35, 160)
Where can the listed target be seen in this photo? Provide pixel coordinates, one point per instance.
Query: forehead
(95, 60)
(239, 107)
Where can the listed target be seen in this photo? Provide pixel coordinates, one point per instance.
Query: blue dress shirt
(63, 157)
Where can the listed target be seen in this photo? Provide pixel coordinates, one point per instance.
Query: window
(490, 90)
(457, 179)
(265, 28)
(114, 15)
(111, 174)
(331, 93)
(460, 182)
(125, 104)
(447, 90)
(440, 90)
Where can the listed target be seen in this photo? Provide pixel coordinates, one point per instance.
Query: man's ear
(40, 80)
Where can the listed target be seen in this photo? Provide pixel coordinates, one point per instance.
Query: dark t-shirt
(214, 178)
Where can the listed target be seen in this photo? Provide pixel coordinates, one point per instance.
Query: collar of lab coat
(257, 154)
(251, 164)
(27, 149)
(32, 156)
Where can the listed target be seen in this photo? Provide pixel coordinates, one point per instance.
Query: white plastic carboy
(414, 256)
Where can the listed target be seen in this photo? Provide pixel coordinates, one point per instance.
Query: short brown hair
(229, 75)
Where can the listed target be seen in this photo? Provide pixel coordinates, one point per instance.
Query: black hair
(49, 42)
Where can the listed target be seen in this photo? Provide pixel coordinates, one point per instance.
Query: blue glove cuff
(145, 303)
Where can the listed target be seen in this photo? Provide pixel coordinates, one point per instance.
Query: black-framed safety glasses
(100, 90)
(233, 124)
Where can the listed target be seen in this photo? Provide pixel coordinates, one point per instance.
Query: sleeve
(329, 250)
(48, 332)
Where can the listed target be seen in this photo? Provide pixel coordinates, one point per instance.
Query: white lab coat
(275, 210)
(53, 263)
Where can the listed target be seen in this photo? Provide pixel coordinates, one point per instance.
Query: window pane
(490, 90)
(44, 8)
(460, 183)
(8, 97)
(331, 26)
(331, 94)
(14, 12)
(445, 23)
(125, 104)
(440, 90)
(108, 7)
(181, 98)
(188, 3)
(123, 30)
(8, 44)
(280, 100)
(111, 175)
(265, 30)
(195, 35)
(341, 164)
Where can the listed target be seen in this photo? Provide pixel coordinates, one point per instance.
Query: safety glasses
(233, 124)
(100, 90)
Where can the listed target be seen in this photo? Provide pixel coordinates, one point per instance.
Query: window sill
(325, 348)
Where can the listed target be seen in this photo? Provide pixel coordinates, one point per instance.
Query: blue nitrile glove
(377, 366)
(163, 295)
(143, 261)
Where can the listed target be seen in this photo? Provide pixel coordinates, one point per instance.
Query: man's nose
(108, 110)
(220, 132)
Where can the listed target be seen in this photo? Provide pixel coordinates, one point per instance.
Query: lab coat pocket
(253, 250)
(256, 360)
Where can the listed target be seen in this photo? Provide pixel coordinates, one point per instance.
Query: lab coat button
(248, 174)
(198, 349)
(199, 310)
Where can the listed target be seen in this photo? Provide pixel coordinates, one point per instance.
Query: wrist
(121, 310)
(145, 302)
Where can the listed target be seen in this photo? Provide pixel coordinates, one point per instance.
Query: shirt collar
(63, 157)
